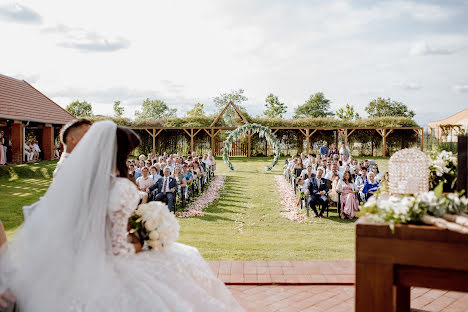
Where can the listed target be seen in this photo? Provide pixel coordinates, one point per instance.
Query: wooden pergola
(214, 130)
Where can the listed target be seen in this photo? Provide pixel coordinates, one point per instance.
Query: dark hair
(351, 180)
(75, 123)
(127, 141)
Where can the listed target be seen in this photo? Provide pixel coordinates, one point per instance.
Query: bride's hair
(127, 141)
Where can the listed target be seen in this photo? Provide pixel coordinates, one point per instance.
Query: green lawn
(250, 201)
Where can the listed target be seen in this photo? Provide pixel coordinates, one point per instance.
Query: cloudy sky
(185, 52)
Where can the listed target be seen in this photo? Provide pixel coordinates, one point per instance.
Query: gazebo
(24, 111)
(305, 132)
(449, 128)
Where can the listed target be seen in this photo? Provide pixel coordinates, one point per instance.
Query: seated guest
(334, 170)
(371, 186)
(131, 171)
(155, 174)
(333, 194)
(165, 188)
(308, 173)
(143, 184)
(187, 173)
(360, 181)
(37, 150)
(349, 201)
(318, 193)
(212, 160)
(7, 300)
(197, 169)
(28, 153)
(180, 179)
(376, 172)
(332, 151)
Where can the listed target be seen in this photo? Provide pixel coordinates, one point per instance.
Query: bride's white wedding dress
(72, 253)
(175, 278)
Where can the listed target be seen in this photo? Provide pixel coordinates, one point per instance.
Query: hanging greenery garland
(262, 132)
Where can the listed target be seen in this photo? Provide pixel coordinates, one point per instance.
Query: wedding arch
(251, 129)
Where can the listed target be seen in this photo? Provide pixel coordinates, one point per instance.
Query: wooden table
(388, 264)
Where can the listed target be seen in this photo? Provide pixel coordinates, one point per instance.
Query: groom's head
(72, 133)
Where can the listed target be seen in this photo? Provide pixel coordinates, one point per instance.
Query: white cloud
(409, 86)
(31, 78)
(460, 89)
(423, 48)
(84, 40)
(18, 13)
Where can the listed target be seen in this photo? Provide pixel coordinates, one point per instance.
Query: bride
(73, 253)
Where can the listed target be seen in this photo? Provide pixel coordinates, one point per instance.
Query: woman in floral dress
(349, 201)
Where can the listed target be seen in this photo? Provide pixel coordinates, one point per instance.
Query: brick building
(26, 112)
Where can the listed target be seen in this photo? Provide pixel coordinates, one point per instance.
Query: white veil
(60, 253)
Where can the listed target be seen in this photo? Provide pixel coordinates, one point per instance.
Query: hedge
(206, 121)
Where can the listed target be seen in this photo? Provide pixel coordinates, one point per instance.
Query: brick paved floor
(335, 298)
(313, 286)
(284, 272)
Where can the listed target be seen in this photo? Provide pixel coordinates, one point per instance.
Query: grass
(249, 201)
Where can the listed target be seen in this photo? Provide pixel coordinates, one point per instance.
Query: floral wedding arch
(252, 129)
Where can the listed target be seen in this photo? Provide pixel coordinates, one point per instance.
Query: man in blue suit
(165, 188)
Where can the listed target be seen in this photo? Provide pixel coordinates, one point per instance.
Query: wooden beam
(208, 132)
(220, 115)
(239, 113)
(307, 141)
(351, 132)
(310, 134)
(186, 131)
(274, 132)
(150, 132)
(303, 132)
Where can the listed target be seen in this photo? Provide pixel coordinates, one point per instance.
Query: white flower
(154, 235)
(151, 225)
(155, 244)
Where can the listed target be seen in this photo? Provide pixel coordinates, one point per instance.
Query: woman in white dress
(75, 254)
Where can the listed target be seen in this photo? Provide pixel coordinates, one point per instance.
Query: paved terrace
(313, 286)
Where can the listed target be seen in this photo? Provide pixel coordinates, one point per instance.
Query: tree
(80, 109)
(196, 111)
(347, 113)
(118, 109)
(155, 109)
(316, 106)
(237, 97)
(385, 107)
(274, 108)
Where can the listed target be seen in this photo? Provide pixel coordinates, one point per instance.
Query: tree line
(316, 106)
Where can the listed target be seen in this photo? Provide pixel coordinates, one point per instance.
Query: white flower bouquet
(445, 211)
(443, 169)
(154, 225)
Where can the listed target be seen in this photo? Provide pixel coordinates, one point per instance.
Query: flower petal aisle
(288, 201)
(195, 209)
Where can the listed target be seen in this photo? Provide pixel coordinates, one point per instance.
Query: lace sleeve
(124, 200)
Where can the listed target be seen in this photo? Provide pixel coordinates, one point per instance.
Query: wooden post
(384, 133)
(422, 139)
(307, 141)
(154, 141)
(212, 145)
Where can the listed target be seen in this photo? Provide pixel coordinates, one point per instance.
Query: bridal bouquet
(155, 225)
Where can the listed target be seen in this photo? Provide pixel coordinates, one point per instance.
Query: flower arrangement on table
(444, 210)
(443, 169)
(154, 225)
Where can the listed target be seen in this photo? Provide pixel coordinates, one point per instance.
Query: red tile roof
(21, 101)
